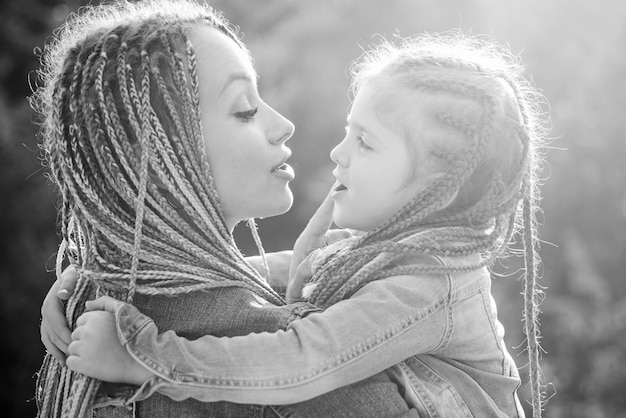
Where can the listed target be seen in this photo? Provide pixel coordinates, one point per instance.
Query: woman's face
(244, 137)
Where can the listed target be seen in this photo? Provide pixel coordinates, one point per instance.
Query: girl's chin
(347, 221)
(343, 221)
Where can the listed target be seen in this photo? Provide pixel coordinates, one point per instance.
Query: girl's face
(374, 168)
(244, 137)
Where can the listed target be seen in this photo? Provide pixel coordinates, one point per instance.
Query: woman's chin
(280, 206)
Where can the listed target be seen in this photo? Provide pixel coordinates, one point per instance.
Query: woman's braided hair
(122, 137)
(485, 126)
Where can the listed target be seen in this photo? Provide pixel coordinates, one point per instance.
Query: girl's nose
(338, 154)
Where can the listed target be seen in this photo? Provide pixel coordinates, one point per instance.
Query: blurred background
(574, 51)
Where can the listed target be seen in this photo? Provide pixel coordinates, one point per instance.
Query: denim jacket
(230, 312)
(435, 336)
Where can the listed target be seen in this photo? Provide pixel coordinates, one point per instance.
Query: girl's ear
(451, 200)
(437, 172)
(432, 168)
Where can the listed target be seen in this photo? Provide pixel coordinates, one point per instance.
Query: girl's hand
(297, 282)
(96, 351)
(315, 235)
(55, 334)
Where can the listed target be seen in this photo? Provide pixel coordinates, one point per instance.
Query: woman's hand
(278, 263)
(55, 334)
(316, 234)
(96, 351)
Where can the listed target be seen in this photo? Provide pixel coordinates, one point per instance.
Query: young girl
(159, 143)
(438, 168)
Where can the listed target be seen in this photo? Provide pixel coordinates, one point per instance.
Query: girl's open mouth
(340, 187)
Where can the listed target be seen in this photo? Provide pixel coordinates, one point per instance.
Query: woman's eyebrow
(233, 77)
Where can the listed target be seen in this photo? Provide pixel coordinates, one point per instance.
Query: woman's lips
(284, 171)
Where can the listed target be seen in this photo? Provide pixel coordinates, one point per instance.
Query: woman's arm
(55, 334)
(382, 324)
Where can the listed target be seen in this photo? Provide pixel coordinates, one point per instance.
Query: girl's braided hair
(485, 126)
(124, 144)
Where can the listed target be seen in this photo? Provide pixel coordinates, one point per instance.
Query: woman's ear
(164, 190)
(157, 181)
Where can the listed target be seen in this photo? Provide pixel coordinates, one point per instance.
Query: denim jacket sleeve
(382, 324)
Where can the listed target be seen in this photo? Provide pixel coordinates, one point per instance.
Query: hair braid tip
(259, 245)
(531, 308)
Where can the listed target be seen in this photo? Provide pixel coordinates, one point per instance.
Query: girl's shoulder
(319, 257)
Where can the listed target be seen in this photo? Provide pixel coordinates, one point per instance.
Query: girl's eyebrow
(354, 124)
(233, 77)
(373, 137)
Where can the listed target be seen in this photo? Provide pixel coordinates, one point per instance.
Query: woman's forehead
(218, 56)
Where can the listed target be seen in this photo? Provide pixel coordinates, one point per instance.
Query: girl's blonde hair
(124, 144)
(485, 126)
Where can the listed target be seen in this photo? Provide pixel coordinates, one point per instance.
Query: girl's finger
(75, 337)
(334, 235)
(322, 219)
(103, 303)
(312, 236)
(303, 274)
(73, 349)
(72, 362)
(82, 320)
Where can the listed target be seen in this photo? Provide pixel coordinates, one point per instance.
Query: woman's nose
(283, 129)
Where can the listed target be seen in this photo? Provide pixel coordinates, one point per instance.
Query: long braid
(145, 145)
(124, 143)
(68, 383)
(532, 293)
(531, 306)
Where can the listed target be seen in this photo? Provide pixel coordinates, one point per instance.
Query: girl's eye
(359, 139)
(361, 143)
(247, 115)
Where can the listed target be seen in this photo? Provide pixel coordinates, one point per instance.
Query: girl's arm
(382, 324)
(55, 333)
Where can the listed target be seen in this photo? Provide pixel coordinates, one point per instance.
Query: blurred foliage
(574, 51)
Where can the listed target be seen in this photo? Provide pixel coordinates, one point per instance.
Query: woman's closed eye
(247, 115)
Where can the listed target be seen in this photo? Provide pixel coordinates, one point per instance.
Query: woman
(160, 144)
